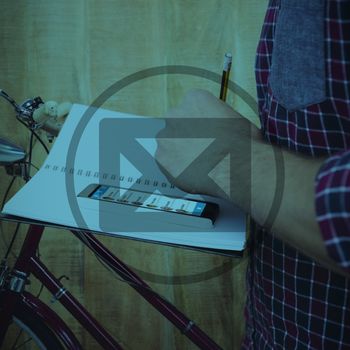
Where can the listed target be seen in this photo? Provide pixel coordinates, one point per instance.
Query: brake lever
(25, 110)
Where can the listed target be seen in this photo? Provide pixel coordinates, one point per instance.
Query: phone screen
(148, 200)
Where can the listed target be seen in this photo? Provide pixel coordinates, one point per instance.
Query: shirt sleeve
(333, 206)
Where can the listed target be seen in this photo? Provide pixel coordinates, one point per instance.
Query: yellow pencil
(225, 75)
(223, 93)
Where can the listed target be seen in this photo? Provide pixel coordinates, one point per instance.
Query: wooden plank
(74, 51)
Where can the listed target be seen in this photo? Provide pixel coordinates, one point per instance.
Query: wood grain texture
(75, 50)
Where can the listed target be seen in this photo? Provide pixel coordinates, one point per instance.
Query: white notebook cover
(75, 162)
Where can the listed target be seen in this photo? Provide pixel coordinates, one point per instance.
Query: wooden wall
(73, 50)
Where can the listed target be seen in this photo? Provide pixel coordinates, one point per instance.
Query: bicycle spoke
(15, 346)
(25, 342)
(16, 340)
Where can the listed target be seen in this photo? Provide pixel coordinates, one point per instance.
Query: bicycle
(33, 316)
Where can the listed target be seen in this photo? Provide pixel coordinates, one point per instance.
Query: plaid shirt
(292, 301)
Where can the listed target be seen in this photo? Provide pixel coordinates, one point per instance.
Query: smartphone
(181, 206)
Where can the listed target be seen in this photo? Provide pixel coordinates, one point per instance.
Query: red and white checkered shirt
(292, 301)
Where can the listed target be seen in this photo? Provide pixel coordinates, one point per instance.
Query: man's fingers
(63, 109)
(50, 108)
(50, 114)
(52, 127)
(40, 116)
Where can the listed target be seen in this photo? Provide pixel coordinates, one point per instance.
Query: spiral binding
(107, 176)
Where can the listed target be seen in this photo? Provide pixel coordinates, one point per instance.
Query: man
(298, 276)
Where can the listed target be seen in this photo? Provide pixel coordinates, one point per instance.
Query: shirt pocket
(298, 73)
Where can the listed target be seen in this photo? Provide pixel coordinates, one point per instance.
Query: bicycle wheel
(28, 332)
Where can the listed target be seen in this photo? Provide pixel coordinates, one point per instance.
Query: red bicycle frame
(28, 263)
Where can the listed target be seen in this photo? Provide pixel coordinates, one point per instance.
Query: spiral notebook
(99, 146)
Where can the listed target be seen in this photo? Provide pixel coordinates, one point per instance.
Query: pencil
(225, 75)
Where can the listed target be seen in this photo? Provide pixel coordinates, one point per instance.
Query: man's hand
(248, 178)
(203, 141)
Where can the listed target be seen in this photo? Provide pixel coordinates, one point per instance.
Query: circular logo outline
(147, 73)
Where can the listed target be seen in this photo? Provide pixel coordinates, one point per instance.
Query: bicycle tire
(35, 328)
